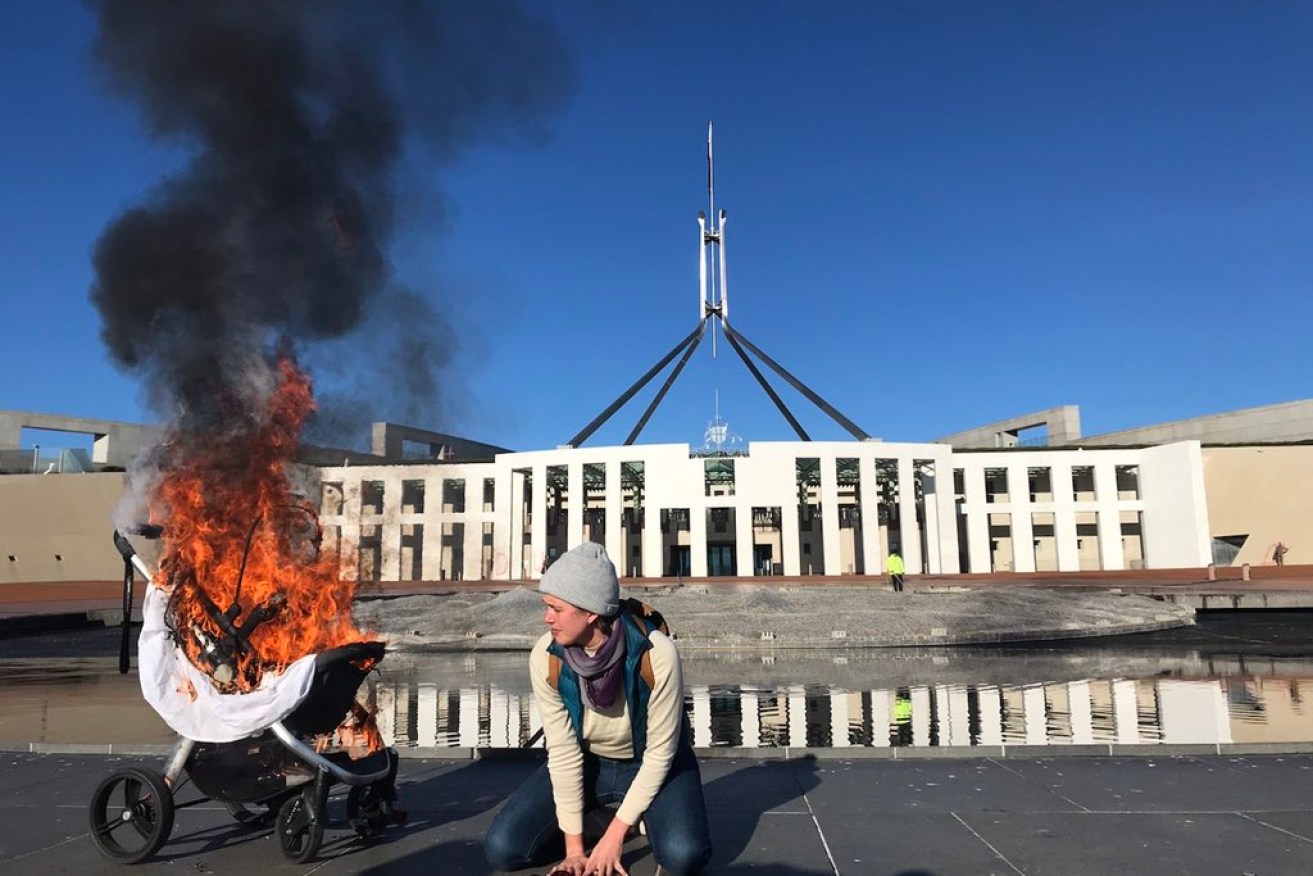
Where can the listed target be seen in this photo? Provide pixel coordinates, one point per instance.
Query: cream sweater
(607, 734)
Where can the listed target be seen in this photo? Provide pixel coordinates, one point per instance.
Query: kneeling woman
(611, 698)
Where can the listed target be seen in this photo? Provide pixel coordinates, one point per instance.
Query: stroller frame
(146, 805)
(132, 810)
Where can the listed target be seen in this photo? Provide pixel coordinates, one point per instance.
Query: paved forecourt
(933, 815)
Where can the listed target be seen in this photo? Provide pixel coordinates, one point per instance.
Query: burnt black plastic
(337, 677)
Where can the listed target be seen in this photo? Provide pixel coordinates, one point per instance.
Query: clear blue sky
(941, 214)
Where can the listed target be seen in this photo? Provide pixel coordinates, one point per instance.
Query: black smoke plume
(275, 234)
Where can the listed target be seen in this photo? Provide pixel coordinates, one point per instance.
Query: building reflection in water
(1117, 711)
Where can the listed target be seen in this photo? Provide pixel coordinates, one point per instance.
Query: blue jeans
(525, 833)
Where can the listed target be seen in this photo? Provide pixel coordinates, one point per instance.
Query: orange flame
(235, 534)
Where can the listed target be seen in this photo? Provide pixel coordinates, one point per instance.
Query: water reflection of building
(1118, 711)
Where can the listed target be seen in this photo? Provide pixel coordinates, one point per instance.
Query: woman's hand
(573, 865)
(605, 859)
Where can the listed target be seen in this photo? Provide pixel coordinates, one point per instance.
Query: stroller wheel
(131, 815)
(300, 827)
(369, 810)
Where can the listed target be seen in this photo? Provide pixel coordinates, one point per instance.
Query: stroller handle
(130, 555)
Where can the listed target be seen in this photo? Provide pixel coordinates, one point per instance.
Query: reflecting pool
(1235, 678)
(1244, 707)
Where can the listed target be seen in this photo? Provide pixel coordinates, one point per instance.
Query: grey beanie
(584, 576)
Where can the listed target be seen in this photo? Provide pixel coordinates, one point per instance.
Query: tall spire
(713, 299)
(713, 307)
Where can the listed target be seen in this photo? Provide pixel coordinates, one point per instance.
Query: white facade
(790, 508)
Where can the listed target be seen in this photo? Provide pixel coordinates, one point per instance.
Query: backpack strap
(554, 671)
(645, 669)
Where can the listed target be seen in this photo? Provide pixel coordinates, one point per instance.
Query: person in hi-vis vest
(896, 571)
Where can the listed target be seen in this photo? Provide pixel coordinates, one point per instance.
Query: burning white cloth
(168, 679)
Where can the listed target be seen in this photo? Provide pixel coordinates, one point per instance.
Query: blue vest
(637, 693)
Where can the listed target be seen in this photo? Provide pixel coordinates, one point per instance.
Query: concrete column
(385, 705)
(508, 533)
(426, 718)
(467, 733)
(1111, 556)
(697, 537)
(839, 702)
(574, 532)
(909, 531)
(790, 539)
(390, 529)
(1023, 530)
(829, 497)
(701, 715)
(653, 561)
(797, 716)
(538, 528)
(1079, 707)
(870, 498)
(977, 520)
(472, 566)
(944, 537)
(1064, 517)
(991, 715)
(921, 717)
(932, 532)
(1125, 712)
(743, 540)
(881, 719)
(499, 723)
(958, 719)
(950, 550)
(431, 564)
(750, 717)
(11, 432)
(401, 704)
(614, 516)
(1036, 707)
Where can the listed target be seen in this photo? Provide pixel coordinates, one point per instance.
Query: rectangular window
(719, 519)
(718, 476)
(807, 472)
(1128, 482)
(674, 520)
(371, 497)
(412, 497)
(453, 495)
(1082, 483)
(1041, 484)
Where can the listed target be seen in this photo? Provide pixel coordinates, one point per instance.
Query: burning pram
(245, 748)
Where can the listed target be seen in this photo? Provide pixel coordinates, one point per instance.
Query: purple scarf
(600, 673)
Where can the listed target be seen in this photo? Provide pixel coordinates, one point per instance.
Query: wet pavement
(1065, 816)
